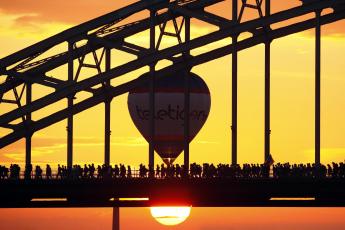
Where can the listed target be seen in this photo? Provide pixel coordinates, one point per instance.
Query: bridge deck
(217, 192)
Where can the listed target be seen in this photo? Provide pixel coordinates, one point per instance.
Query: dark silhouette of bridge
(97, 38)
(221, 185)
(29, 66)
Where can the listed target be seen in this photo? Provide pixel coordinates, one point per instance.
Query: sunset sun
(170, 215)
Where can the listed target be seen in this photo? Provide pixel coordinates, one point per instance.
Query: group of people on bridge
(90, 171)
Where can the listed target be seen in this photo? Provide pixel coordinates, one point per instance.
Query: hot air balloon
(169, 112)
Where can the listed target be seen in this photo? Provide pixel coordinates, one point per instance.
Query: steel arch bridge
(98, 37)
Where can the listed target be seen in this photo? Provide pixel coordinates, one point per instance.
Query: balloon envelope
(169, 112)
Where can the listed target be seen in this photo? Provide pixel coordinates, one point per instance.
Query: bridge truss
(96, 39)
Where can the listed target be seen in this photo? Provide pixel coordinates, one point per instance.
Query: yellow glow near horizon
(170, 215)
(292, 98)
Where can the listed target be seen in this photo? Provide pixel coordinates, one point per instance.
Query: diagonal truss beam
(209, 18)
(42, 80)
(82, 29)
(111, 40)
(166, 54)
(285, 15)
(193, 61)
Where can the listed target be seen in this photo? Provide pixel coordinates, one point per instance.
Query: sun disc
(170, 215)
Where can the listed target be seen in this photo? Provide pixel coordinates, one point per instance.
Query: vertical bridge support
(70, 107)
(267, 87)
(237, 18)
(318, 88)
(107, 133)
(187, 101)
(28, 122)
(152, 92)
(116, 218)
(234, 87)
(107, 113)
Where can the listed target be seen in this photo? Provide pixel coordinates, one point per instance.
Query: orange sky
(292, 93)
(200, 219)
(26, 22)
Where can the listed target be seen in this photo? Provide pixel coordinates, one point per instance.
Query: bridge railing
(158, 174)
